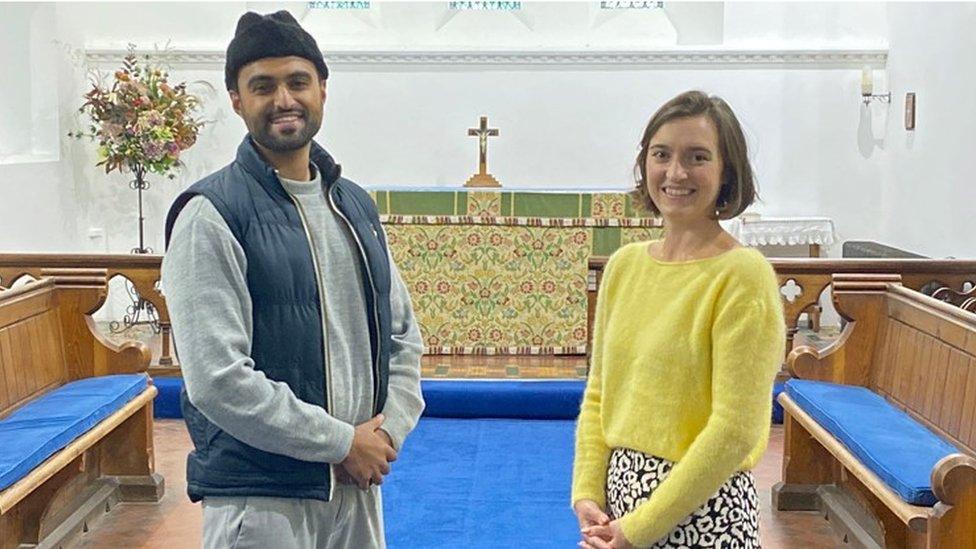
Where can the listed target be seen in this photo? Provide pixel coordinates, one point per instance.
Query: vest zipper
(372, 286)
(329, 405)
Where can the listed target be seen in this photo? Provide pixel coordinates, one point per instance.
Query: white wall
(56, 200)
(36, 214)
(816, 150)
(15, 50)
(38, 199)
(823, 23)
(929, 194)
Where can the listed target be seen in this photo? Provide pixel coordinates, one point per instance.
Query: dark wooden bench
(58, 375)
(893, 399)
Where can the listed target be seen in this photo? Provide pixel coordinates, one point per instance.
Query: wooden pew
(142, 270)
(48, 339)
(920, 355)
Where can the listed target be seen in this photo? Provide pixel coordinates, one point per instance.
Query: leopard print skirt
(729, 520)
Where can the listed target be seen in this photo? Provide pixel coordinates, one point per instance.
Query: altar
(505, 271)
(814, 233)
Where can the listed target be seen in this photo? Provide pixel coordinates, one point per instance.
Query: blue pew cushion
(900, 450)
(45, 425)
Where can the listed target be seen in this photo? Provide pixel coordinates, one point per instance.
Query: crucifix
(482, 178)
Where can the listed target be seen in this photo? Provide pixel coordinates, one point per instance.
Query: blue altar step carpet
(463, 398)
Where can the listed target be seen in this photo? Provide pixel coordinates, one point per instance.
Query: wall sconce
(867, 88)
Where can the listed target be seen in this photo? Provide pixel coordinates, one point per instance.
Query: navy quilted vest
(287, 343)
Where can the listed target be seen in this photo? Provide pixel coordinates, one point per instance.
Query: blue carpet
(472, 483)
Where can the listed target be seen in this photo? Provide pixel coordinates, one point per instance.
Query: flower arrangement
(141, 122)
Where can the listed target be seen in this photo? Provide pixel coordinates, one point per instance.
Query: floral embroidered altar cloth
(504, 271)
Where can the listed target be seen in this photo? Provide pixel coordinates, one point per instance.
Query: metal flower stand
(139, 311)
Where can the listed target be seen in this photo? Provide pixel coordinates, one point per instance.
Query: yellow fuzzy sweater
(684, 356)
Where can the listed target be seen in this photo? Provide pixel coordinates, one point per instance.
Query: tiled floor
(174, 523)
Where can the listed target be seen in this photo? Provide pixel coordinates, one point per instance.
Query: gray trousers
(352, 520)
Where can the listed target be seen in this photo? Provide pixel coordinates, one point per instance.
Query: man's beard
(282, 143)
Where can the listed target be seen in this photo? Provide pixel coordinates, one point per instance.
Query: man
(299, 348)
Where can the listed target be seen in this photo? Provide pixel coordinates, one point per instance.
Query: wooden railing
(802, 280)
(141, 270)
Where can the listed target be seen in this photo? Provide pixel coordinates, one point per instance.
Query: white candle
(867, 81)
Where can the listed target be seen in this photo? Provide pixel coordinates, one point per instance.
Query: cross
(483, 132)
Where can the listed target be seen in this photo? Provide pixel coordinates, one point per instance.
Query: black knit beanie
(273, 35)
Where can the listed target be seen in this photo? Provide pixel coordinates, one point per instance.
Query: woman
(688, 337)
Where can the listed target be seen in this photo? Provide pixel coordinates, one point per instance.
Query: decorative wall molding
(670, 58)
